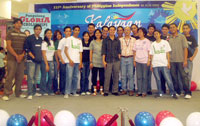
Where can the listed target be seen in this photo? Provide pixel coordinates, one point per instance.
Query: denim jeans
(177, 67)
(188, 71)
(158, 71)
(63, 76)
(72, 78)
(149, 73)
(55, 79)
(84, 81)
(33, 74)
(127, 73)
(46, 84)
(141, 74)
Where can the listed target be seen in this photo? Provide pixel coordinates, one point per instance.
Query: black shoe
(105, 94)
(174, 96)
(116, 94)
(149, 93)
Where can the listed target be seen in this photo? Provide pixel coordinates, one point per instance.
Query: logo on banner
(116, 20)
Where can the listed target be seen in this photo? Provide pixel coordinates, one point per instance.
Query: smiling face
(76, 31)
(37, 30)
(49, 34)
(165, 31)
(127, 31)
(120, 31)
(68, 32)
(157, 35)
(141, 33)
(173, 29)
(134, 29)
(98, 34)
(91, 29)
(18, 25)
(86, 37)
(105, 32)
(112, 31)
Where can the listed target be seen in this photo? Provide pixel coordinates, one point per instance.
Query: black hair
(173, 24)
(27, 31)
(37, 25)
(120, 27)
(1, 48)
(104, 27)
(95, 33)
(143, 30)
(91, 24)
(151, 25)
(186, 25)
(111, 27)
(16, 20)
(66, 27)
(55, 35)
(157, 31)
(165, 25)
(76, 26)
(134, 25)
(45, 38)
(85, 32)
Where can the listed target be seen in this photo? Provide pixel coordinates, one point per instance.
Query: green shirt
(56, 44)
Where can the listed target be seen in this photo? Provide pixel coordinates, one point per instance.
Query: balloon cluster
(66, 118)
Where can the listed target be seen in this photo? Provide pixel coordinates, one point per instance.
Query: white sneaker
(5, 98)
(66, 96)
(30, 97)
(177, 95)
(22, 96)
(76, 95)
(45, 94)
(38, 94)
(52, 94)
(88, 93)
(83, 93)
(188, 96)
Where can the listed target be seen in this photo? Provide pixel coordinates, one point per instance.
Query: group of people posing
(103, 54)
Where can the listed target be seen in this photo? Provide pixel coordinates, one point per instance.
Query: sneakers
(174, 96)
(188, 96)
(5, 98)
(88, 93)
(66, 96)
(38, 94)
(76, 95)
(22, 96)
(177, 95)
(158, 95)
(45, 94)
(83, 94)
(30, 97)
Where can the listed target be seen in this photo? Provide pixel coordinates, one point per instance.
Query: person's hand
(148, 63)
(47, 68)
(185, 63)
(134, 63)
(168, 66)
(191, 58)
(80, 66)
(91, 65)
(17, 58)
(151, 68)
(20, 57)
(71, 63)
(62, 61)
(104, 64)
(58, 66)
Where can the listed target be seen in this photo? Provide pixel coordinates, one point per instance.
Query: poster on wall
(31, 19)
(121, 14)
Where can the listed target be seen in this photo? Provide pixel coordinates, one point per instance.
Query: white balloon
(171, 121)
(4, 116)
(193, 119)
(65, 118)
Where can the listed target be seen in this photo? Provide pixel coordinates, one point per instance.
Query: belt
(127, 56)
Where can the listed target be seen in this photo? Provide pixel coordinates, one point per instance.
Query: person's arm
(91, 55)
(71, 63)
(151, 65)
(57, 60)
(168, 60)
(60, 56)
(194, 55)
(45, 60)
(81, 64)
(103, 52)
(27, 48)
(119, 49)
(104, 61)
(11, 50)
(149, 60)
(185, 57)
(134, 55)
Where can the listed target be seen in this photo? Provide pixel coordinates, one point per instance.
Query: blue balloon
(17, 120)
(86, 119)
(144, 119)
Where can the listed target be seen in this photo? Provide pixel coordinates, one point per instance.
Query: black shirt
(111, 49)
(192, 45)
(86, 51)
(165, 37)
(33, 45)
(151, 38)
(136, 37)
(91, 38)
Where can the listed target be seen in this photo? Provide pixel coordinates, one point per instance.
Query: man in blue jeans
(73, 51)
(63, 58)
(178, 60)
(160, 56)
(127, 76)
(32, 47)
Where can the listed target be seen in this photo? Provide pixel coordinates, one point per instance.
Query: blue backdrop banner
(121, 14)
